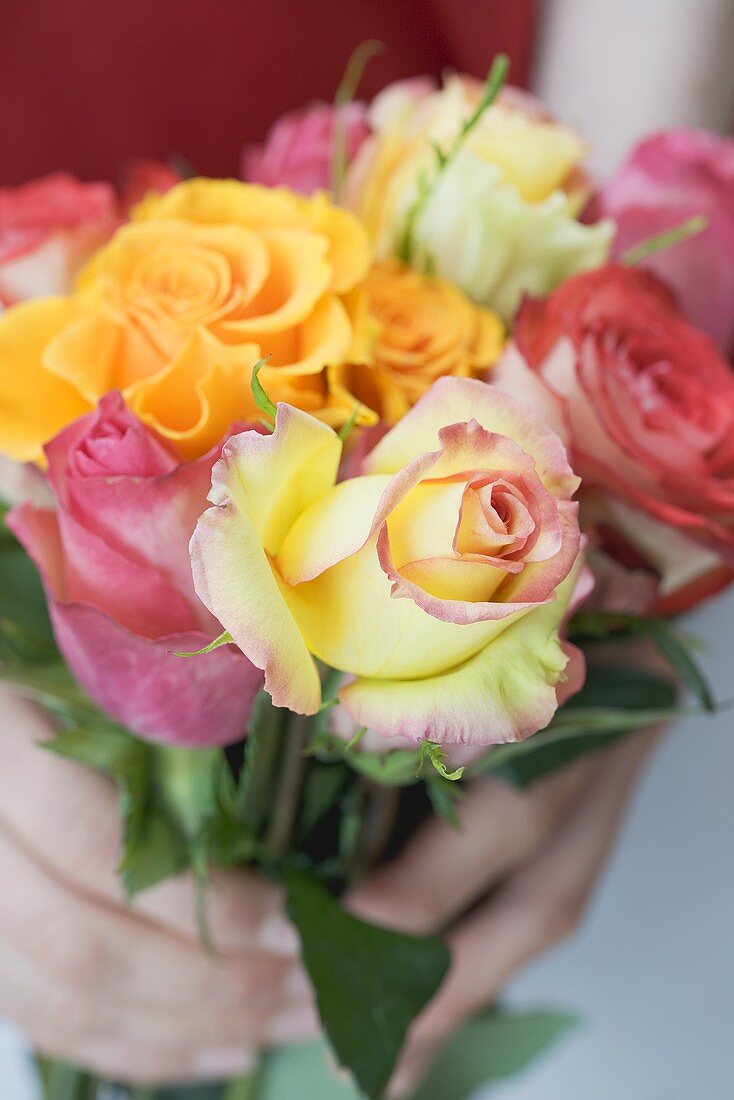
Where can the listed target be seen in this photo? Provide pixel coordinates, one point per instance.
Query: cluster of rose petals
(114, 559)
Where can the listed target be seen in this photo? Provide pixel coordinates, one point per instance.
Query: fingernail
(292, 1025)
(226, 1062)
(278, 936)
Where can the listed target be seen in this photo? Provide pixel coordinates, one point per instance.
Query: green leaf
(370, 982)
(302, 1072)
(398, 768)
(673, 647)
(672, 644)
(321, 790)
(587, 723)
(153, 851)
(492, 1047)
(263, 402)
(22, 599)
(444, 795)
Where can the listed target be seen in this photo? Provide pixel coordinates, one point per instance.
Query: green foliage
(677, 650)
(587, 723)
(492, 1047)
(370, 982)
(25, 629)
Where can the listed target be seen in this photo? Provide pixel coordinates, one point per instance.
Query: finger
(77, 835)
(538, 906)
(442, 869)
(73, 972)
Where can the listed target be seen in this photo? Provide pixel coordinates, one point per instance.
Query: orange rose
(426, 329)
(175, 311)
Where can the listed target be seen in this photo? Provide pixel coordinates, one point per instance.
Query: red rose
(115, 563)
(646, 403)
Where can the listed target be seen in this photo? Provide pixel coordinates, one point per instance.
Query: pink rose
(48, 229)
(115, 563)
(668, 179)
(645, 403)
(298, 150)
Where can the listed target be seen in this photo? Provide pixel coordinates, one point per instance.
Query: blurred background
(88, 86)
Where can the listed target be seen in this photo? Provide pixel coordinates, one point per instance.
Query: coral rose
(646, 404)
(114, 559)
(437, 580)
(179, 306)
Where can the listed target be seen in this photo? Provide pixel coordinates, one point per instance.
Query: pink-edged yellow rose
(436, 580)
(176, 310)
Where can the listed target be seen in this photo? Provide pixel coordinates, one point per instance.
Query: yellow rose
(437, 580)
(503, 219)
(426, 329)
(175, 311)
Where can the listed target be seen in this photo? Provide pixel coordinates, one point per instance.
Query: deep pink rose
(115, 563)
(645, 403)
(668, 179)
(48, 228)
(298, 150)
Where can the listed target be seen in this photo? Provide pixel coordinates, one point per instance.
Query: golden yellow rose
(426, 329)
(175, 311)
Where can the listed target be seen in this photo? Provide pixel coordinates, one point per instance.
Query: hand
(540, 852)
(127, 990)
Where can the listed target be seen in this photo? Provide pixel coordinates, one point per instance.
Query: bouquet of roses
(343, 484)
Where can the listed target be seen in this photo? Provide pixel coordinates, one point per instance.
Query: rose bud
(115, 564)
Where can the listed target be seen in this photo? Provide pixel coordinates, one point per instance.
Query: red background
(89, 84)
